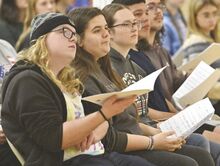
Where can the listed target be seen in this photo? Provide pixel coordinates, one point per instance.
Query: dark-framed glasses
(67, 33)
(153, 7)
(129, 25)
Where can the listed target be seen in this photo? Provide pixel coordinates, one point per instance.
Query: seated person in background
(47, 126)
(7, 58)
(34, 8)
(12, 13)
(63, 5)
(202, 28)
(8, 54)
(174, 26)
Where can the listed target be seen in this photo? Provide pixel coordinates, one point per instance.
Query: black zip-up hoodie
(33, 112)
(120, 125)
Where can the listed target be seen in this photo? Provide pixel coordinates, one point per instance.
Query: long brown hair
(84, 63)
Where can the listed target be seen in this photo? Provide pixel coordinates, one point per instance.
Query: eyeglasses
(67, 33)
(129, 25)
(153, 7)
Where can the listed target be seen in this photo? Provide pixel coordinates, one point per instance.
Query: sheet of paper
(146, 82)
(189, 119)
(140, 87)
(197, 85)
(209, 55)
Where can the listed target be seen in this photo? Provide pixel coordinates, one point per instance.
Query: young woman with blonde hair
(202, 27)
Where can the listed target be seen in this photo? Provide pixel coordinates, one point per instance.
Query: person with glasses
(174, 25)
(128, 25)
(42, 113)
(93, 67)
(149, 110)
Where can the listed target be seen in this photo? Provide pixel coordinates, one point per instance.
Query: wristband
(103, 115)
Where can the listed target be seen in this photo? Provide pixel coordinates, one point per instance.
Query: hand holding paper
(188, 120)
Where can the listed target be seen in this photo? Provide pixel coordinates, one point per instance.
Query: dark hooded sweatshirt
(33, 112)
(124, 67)
(120, 125)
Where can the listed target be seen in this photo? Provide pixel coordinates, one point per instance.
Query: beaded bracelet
(103, 115)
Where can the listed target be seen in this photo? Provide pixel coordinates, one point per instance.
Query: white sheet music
(197, 85)
(201, 73)
(188, 120)
(146, 82)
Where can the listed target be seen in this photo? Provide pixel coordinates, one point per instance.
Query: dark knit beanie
(44, 23)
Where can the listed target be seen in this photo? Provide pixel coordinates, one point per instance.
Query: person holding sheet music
(171, 78)
(165, 107)
(127, 135)
(194, 139)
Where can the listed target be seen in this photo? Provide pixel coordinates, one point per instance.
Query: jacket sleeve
(33, 104)
(114, 140)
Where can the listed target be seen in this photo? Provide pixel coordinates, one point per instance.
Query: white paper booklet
(197, 85)
(140, 87)
(188, 120)
(209, 55)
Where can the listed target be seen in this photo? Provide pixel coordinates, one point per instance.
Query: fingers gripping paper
(189, 119)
